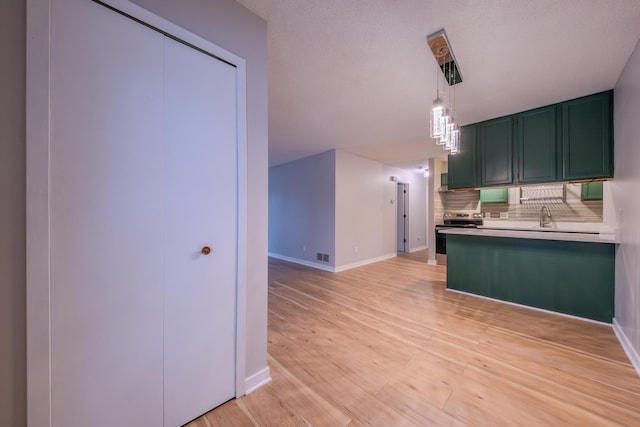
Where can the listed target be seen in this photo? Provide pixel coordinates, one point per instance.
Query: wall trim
(625, 342)
(364, 262)
(303, 262)
(329, 268)
(597, 322)
(257, 380)
(432, 262)
(419, 248)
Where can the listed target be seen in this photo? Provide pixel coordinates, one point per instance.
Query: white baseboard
(329, 268)
(364, 262)
(257, 380)
(419, 248)
(432, 262)
(632, 353)
(303, 262)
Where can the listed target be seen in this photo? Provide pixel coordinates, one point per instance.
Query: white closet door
(143, 175)
(107, 224)
(201, 210)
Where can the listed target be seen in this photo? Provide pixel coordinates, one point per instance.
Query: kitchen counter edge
(536, 235)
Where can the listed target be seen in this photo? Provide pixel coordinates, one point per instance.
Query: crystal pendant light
(443, 125)
(437, 118)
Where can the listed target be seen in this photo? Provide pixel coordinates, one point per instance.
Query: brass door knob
(205, 250)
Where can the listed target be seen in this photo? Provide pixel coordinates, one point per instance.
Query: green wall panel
(574, 278)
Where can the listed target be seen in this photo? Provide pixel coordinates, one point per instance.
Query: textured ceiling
(357, 74)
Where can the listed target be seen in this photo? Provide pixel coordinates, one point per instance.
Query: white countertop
(552, 234)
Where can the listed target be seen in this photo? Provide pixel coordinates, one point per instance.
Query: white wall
(366, 210)
(302, 209)
(343, 205)
(624, 190)
(12, 215)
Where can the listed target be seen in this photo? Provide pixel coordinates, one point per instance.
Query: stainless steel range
(453, 219)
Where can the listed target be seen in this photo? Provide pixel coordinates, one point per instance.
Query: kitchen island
(570, 273)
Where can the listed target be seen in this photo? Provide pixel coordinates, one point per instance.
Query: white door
(401, 205)
(200, 211)
(142, 176)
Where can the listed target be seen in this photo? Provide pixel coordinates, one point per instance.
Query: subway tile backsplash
(572, 209)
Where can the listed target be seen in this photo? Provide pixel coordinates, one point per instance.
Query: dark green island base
(575, 278)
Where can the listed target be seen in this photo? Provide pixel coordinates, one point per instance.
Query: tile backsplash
(572, 209)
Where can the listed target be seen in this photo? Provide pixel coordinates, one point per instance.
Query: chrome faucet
(545, 219)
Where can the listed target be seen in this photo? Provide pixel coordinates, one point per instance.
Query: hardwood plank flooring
(387, 345)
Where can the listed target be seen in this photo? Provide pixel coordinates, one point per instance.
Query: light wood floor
(387, 345)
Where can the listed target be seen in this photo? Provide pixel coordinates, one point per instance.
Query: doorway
(402, 216)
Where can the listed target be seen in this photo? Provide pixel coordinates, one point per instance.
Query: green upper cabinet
(592, 191)
(536, 146)
(495, 141)
(587, 137)
(463, 172)
(494, 195)
(569, 141)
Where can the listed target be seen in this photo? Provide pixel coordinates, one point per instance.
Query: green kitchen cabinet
(536, 146)
(444, 179)
(494, 195)
(575, 278)
(592, 191)
(495, 149)
(587, 137)
(463, 171)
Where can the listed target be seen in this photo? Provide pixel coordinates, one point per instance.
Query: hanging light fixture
(443, 126)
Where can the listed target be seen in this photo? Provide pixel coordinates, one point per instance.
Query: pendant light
(443, 126)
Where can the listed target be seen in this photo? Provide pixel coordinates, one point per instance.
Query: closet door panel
(106, 218)
(201, 211)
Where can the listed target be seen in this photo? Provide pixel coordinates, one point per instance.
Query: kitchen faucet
(545, 219)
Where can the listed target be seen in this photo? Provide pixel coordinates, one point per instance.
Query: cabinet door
(496, 153)
(591, 191)
(444, 179)
(463, 172)
(587, 137)
(536, 145)
(494, 195)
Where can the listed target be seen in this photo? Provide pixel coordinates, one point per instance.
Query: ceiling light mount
(441, 49)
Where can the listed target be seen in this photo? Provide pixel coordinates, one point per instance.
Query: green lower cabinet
(575, 278)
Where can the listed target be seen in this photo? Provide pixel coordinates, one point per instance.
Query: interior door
(143, 176)
(107, 232)
(200, 212)
(401, 201)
